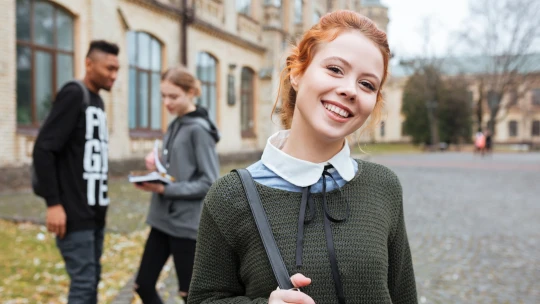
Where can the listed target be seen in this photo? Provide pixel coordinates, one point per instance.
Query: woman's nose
(347, 91)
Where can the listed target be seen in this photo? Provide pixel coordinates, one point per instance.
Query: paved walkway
(473, 225)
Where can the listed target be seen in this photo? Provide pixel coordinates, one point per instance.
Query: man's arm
(53, 136)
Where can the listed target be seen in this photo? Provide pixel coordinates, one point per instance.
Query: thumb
(299, 280)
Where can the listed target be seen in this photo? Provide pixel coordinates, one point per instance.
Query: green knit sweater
(371, 246)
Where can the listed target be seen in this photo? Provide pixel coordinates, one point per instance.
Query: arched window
(44, 57)
(144, 53)
(316, 17)
(536, 97)
(247, 100)
(243, 7)
(535, 128)
(273, 2)
(207, 75)
(298, 7)
(512, 128)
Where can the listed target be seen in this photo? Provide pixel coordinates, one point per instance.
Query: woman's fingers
(299, 280)
(290, 296)
(150, 161)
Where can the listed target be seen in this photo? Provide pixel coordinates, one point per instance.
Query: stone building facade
(235, 47)
(518, 120)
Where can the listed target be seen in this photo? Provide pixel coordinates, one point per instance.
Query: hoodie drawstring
(307, 201)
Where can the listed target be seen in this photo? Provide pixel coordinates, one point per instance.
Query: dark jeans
(157, 250)
(81, 251)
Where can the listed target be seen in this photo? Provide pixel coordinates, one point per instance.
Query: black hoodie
(203, 113)
(71, 160)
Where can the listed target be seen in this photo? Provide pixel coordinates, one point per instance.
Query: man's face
(102, 69)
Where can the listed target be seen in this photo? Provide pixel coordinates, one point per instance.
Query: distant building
(518, 120)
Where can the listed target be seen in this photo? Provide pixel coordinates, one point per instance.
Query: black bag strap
(278, 266)
(86, 94)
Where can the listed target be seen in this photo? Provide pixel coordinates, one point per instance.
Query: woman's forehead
(355, 48)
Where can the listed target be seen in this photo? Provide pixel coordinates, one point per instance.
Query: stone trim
(283, 32)
(224, 35)
(158, 7)
(215, 31)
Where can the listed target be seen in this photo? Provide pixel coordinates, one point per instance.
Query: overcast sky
(406, 19)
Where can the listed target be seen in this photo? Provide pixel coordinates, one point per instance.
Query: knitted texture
(374, 260)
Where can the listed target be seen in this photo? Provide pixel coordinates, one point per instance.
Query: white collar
(299, 172)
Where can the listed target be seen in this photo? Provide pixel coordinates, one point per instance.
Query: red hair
(327, 29)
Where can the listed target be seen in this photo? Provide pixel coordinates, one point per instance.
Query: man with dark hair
(103, 46)
(71, 166)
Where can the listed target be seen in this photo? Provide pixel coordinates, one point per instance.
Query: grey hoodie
(193, 162)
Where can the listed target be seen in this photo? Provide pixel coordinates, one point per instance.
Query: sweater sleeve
(215, 272)
(401, 281)
(53, 136)
(207, 166)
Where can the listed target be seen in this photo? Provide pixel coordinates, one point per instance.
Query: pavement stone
(473, 225)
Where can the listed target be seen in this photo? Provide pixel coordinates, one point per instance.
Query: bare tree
(504, 33)
(428, 67)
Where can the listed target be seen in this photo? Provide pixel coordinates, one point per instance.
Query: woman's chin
(331, 133)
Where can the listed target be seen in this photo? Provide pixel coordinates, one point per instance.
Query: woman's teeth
(336, 110)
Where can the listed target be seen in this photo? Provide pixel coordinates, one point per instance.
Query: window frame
(212, 106)
(535, 128)
(298, 11)
(53, 51)
(535, 97)
(513, 128)
(250, 104)
(244, 7)
(276, 3)
(316, 16)
(148, 131)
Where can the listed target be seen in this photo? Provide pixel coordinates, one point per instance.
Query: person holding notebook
(338, 223)
(189, 156)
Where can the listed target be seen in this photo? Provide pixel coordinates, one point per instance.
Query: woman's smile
(336, 111)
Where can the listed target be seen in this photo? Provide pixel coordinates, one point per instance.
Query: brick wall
(7, 83)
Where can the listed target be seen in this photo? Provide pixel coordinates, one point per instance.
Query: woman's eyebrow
(345, 62)
(348, 65)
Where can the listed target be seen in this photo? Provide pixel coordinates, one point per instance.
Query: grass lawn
(127, 211)
(32, 270)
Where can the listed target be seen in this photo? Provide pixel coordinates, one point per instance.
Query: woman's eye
(368, 85)
(335, 69)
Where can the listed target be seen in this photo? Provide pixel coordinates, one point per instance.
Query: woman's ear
(294, 81)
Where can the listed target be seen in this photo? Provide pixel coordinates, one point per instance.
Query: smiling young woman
(337, 222)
